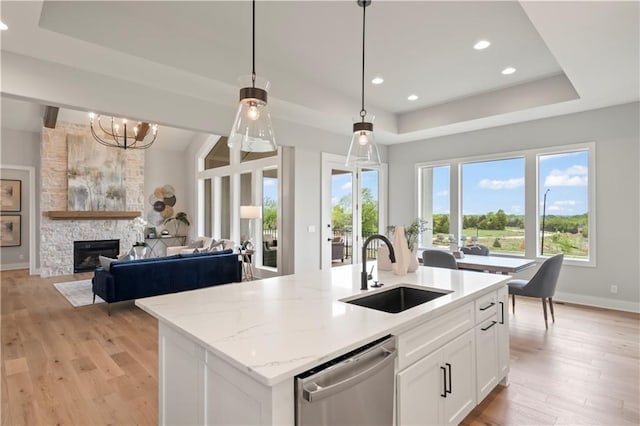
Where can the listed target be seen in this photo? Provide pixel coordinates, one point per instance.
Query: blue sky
(341, 185)
(270, 188)
(494, 185)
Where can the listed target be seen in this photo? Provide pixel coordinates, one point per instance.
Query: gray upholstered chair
(542, 284)
(477, 249)
(439, 258)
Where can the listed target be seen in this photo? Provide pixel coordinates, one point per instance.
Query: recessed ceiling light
(378, 80)
(482, 44)
(3, 26)
(413, 97)
(508, 70)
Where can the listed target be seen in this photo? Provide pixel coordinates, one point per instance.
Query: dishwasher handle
(320, 393)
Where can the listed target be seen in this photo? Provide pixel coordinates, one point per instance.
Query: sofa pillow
(216, 245)
(105, 262)
(197, 244)
(207, 253)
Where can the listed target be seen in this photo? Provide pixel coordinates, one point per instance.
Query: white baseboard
(14, 266)
(599, 302)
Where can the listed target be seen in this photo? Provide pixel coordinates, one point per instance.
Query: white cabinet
(451, 363)
(440, 388)
(487, 356)
(503, 333)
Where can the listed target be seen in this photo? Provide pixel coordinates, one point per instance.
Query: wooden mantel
(91, 215)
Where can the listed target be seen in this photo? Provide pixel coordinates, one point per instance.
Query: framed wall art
(10, 195)
(10, 230)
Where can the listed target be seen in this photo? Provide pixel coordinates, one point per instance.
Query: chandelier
(363, 150)
(120, 135)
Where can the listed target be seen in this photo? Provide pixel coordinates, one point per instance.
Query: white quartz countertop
(278, 327)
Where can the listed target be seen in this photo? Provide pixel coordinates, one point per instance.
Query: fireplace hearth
(86, 253)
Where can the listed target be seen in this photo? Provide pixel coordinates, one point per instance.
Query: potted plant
(180, 217)
(412, 232)
(139, 246)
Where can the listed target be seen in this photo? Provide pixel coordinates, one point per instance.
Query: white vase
(384, 264)
(139, 252)
(402, 252)
(413, 261)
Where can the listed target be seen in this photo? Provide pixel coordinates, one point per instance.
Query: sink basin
(397, 299)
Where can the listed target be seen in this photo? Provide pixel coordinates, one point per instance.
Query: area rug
(78, 293)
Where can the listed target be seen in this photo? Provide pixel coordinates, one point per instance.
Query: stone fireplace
(57, 235)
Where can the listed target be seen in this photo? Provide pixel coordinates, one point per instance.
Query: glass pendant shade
(363, 150)
(252, 129)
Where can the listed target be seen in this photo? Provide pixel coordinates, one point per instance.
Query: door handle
(329, 239)
(444, 382)
(501, 312)
(449, 367)
(319, 392)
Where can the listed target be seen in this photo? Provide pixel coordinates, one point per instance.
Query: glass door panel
(270, 218)
(225, 207)
(342, 217)
(370, 201)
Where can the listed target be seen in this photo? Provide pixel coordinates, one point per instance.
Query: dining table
(494, 264)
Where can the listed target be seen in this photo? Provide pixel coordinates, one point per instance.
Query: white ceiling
(570, 56)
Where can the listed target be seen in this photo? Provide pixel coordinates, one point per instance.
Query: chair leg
(544, 309)
(513, 303)
(553, 317)
(94, 298)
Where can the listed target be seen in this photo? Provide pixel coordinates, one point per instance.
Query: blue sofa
(135, 279)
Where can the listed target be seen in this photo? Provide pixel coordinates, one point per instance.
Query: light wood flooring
(79, 366)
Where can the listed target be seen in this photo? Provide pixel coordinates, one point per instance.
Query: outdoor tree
(269, 214)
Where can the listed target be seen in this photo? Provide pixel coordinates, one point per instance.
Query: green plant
(412, 232)
(180, 217)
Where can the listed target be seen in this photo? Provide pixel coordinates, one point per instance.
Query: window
(564, 204)
(505, 201)
(434, 198)
(493, 205)
(218, 156)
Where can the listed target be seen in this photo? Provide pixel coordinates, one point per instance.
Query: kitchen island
(229, 354)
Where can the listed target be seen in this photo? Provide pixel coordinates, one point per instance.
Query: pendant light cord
(363, 112)
(253, 46)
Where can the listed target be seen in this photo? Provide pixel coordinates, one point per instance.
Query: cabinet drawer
(486, 306)
(425, 338)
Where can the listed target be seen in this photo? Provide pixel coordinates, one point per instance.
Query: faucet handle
(370, 274)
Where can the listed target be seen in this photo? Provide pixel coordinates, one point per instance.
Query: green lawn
(511, 240)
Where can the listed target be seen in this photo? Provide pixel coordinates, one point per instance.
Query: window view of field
(493, 205)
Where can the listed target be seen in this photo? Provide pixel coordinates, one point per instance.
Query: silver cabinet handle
(320, 393)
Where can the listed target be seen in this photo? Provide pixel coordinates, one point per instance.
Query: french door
(353, 207)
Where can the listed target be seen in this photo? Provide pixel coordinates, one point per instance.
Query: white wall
(166, 167)
(19, 148)
(616, 134)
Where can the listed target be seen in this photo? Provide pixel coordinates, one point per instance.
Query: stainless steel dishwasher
(354, 389)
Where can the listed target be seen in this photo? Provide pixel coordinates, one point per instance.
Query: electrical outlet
(614, 289)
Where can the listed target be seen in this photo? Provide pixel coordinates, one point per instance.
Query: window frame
(532, 208)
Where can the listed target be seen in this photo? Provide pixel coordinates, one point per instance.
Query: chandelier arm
(102, 127)
(100, 140)
(145, 146)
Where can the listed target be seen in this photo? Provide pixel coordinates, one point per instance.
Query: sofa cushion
(205, 253)
(197, 244)
(105, 262)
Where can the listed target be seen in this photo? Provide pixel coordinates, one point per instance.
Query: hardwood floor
(79, 366)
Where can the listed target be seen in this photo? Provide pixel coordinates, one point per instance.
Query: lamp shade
(252, 128)
(363, 150)
(250, 212)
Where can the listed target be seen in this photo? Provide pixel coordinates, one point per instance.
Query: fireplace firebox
(86, 253)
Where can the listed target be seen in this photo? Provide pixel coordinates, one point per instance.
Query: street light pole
(544, 214)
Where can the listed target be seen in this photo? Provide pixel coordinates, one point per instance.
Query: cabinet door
(503, 332)
(420, 389)
(487, 356)
(459, 361)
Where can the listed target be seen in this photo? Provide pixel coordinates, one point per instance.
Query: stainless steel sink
(398, 299)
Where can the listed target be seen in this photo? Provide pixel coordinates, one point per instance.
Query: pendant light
(363, 150)
(252, 128)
